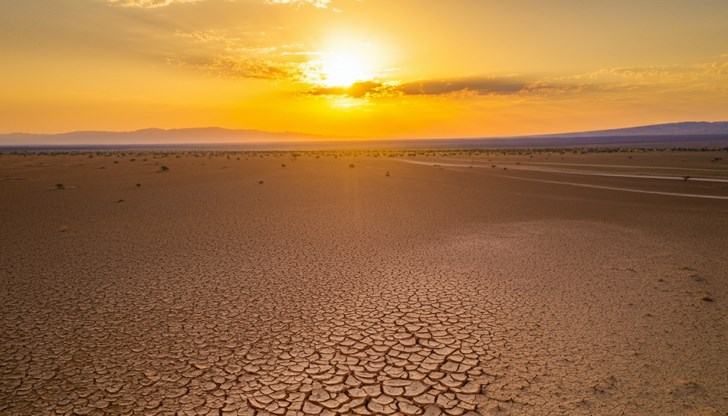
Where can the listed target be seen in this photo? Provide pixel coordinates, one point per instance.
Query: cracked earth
(240, 287)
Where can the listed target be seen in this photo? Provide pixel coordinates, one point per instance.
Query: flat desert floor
(364, 283)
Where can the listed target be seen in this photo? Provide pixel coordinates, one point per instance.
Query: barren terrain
(364, 283)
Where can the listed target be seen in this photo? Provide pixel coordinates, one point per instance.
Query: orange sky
(365, 68)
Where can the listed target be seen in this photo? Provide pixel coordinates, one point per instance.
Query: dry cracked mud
(331, 290)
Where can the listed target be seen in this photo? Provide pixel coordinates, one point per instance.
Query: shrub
(60, 186)
(163, 168)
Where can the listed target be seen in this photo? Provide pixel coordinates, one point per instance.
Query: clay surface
(363, 283)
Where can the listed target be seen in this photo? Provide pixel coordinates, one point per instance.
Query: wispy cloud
(233, 66)
(478, 86)
(655, 74)
(358, 90)
(149, 4)
(322, 4)
(247, 55)
(475, 85)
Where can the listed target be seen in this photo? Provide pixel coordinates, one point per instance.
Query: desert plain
(393, 282)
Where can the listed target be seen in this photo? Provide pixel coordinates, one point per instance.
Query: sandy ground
(229, 286)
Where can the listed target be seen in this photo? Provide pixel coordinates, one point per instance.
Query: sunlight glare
(344, 62)
(342, 69)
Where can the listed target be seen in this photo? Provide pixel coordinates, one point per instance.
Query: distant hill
(688, 128)
(154, 136)
(686, 134)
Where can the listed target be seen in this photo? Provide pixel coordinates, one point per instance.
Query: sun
(343, 62)
(342, 69)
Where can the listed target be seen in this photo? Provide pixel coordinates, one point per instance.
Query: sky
(361, 68)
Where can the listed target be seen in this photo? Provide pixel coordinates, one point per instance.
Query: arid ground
(364, 283)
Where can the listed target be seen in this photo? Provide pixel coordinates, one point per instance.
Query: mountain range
(688, 128)
(684, 133)
(154, 136)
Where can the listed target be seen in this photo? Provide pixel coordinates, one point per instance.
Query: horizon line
(327, 137)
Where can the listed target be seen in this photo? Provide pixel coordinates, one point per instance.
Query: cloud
(232, 66)
(322, 4)
(707, 76)
(149, 4)
(656, 74)
(494, 86)
(476, 85)
(246, 55)
(361, 89)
